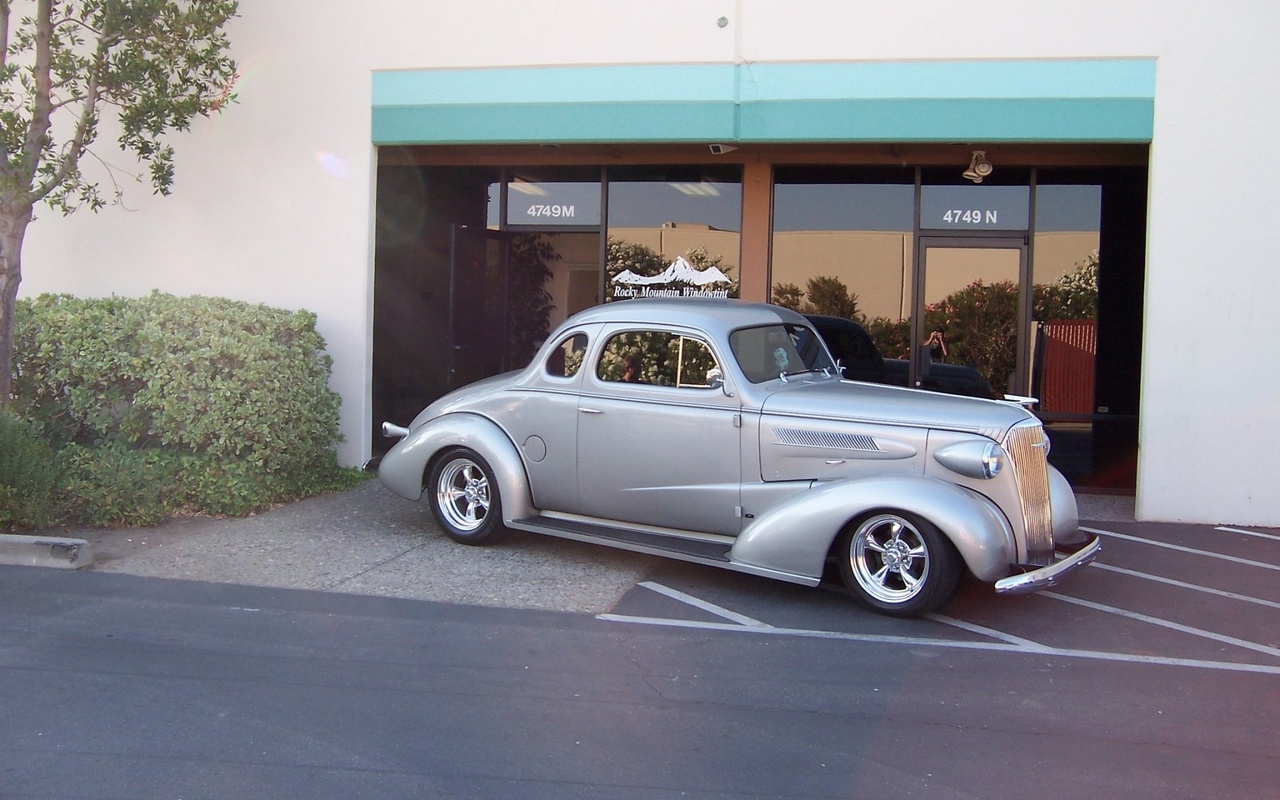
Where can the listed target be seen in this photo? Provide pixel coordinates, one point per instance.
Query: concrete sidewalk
(369, 541)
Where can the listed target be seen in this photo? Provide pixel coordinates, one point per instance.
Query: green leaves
(155, 64)
(28, 476)
(162, 404)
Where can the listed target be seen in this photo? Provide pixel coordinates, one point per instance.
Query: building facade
(1076, 195)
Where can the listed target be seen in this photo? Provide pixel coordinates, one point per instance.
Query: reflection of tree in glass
(825, 294)
(530, 302)
(621, 256)
(1073, 296)
(573, 361)
(691, 362)
(788, 295)
(664, 359)
(980, 321)
(892, 336)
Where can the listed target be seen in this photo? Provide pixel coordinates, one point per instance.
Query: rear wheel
(898, 564)
(464, 497)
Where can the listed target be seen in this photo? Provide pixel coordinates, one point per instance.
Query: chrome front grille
(1028, 447)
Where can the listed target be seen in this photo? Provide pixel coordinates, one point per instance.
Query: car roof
(714, 315)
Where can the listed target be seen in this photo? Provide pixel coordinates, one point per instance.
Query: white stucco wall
(273, 199)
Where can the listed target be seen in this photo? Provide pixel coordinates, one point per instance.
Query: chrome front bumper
(1044, 577)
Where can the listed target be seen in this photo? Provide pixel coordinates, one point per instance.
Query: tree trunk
(13, 228)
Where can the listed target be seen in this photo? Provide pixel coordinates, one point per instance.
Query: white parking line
(1181, 549)
(1270, 536)
(984, 631)
(1224, 666)
(1183, 585)
(710, 608)
(1010, 643)
(1164, 623)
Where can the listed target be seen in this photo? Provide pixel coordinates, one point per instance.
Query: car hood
(867, 402)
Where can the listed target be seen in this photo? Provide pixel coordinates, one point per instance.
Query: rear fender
(403, 468)
(796, 535)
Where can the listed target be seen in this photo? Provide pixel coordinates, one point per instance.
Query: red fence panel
(1066, 382)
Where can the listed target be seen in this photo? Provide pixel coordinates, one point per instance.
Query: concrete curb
(45, 551)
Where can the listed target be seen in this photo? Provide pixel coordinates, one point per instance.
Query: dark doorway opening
(455, 299)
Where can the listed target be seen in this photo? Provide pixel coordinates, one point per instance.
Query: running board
(682, 548)
(700, 550)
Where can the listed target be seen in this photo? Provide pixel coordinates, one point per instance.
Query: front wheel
(898, 564)
(464, 498)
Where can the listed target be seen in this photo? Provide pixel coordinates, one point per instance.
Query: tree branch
(41, 110)
(4, 33)
(88, 116)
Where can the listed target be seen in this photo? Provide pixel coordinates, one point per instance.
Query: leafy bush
(115, 485)
(28, 476)
(165, 404)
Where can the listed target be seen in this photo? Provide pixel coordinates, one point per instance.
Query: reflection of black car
(850, 344)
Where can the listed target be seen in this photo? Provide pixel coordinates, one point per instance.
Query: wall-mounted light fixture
(979, 167)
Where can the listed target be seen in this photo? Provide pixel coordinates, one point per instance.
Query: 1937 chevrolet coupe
(720, 432)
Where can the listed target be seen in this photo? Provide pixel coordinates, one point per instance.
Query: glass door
(479, 304)
(971, 313)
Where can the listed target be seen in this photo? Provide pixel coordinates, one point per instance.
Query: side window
(695, 366)
(657, 358)
(566, 359)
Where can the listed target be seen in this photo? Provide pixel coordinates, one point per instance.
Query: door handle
(590, 411)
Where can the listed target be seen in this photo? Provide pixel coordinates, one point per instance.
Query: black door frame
(1020, 382)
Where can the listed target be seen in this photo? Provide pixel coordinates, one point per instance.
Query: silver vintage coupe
(720, 432)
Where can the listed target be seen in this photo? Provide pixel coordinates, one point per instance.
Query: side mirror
(715, 380)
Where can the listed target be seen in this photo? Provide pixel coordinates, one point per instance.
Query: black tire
(464, 497)
(897, 563)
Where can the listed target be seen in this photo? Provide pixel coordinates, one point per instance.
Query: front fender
(1066, 516)
(796, 535)
(403, 468)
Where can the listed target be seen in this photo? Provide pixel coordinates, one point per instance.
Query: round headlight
(992, 460)
(974, 458)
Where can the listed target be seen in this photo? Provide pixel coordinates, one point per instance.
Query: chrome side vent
(836, 441)
(1027, 446)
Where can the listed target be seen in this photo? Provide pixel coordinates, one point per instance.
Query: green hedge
(162, 404)
(28, 476)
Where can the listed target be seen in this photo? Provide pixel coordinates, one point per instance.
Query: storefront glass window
(842, 247)
(1065, 319)
(673, 232)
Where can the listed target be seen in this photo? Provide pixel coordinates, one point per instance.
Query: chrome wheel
(465, 498)
(898, 564)
(463, 494)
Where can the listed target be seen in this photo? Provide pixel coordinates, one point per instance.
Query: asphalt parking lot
(1192, 596)
(1204, 597)
(1152, 673)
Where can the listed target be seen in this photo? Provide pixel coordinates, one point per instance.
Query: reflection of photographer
(937, 344)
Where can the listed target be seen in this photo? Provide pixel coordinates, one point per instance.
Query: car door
(659, 438)
(544, 422)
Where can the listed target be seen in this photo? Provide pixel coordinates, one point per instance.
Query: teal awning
(1051, 100)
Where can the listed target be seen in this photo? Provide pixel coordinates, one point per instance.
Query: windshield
(771, 351)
